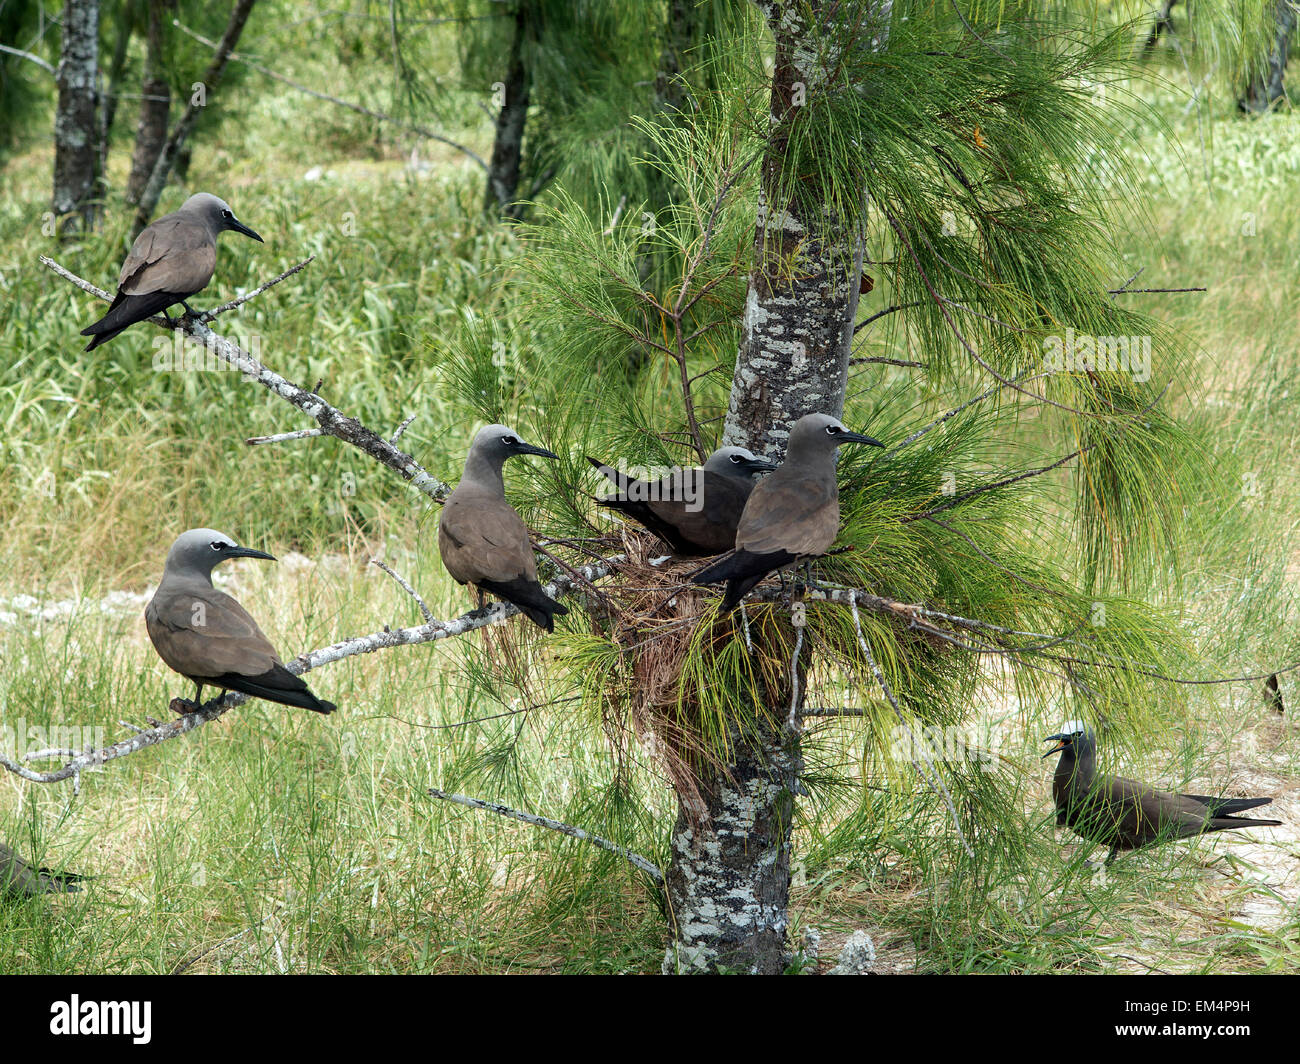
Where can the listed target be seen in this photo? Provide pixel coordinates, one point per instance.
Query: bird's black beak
(528, 448)
(1062, 741)
(759, 465)
(239, 227)
(857, 437)
(248, 552)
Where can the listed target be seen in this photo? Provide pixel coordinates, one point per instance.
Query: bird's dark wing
(204, 632)
(174, 255)
(799, 516)
(482, 538)
(277, 684)
(703, 509)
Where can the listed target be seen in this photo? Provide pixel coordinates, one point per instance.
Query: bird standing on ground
(208, 637)
(171, 260)
(480, 537)
(1125, 814)
(792, 514)
(694, 511)
(19, 879)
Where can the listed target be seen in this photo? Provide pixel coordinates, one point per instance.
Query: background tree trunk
(155, 108)
(126, 27)
(1164, 23)
(76, 126)
(171, 149)
(1266, 88)
(729, 880)
(508, 145)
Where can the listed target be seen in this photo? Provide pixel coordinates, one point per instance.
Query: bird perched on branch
(1125, 814)
(171, 260)
(208, 637)
(792, 514)
(694, 511)
(19, 879)
(480, 537)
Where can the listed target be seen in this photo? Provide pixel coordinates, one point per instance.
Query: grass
(274, 840)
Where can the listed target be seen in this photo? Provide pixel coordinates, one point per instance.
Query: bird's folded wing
(169, 256)
(485, 540)
(801, 517)
(208, 633)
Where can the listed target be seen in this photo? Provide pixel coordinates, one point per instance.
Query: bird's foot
(183, 706)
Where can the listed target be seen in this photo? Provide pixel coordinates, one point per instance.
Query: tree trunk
(198, 100)
(76, 128)
(1164, 24)
(155, 108)
(126, 28)
(679, 33)
(729, 881)
(508, 146)
(1265, 87)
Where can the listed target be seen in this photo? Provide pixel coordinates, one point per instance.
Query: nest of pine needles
(688, 688)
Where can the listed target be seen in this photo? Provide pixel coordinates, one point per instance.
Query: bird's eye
(227, 214)
(216, 544)
(735, 459)
(509, 441)
(832, 430)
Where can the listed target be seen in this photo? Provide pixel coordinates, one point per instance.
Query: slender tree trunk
(155, 108)
(126, 27)
(508, 146)
(76, 125)
(679, 33)
(729, 881)
(1265, 87)
(1164, 24)
(198, 100)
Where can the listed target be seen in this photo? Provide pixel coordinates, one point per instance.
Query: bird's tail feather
(533, 602)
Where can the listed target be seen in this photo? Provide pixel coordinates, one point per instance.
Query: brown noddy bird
(18, 878)
(694, 511)
(208, 637)
(480, 537)
(1125, 814)
(171, 260)
(792, 514)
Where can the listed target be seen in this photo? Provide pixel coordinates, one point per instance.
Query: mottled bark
(508, 145)
(198, 100)
(729, 880)
(155, 108)
(76, 126)
(1265, 87)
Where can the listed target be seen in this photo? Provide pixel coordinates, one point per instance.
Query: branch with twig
(331, 420)
(645, 865)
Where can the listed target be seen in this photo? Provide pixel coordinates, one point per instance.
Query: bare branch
(332, 421)
(406, 424)
(401, 582)
(48, 68)
(209, 315)
(429, 632)
(281, 437)
(646, 866)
